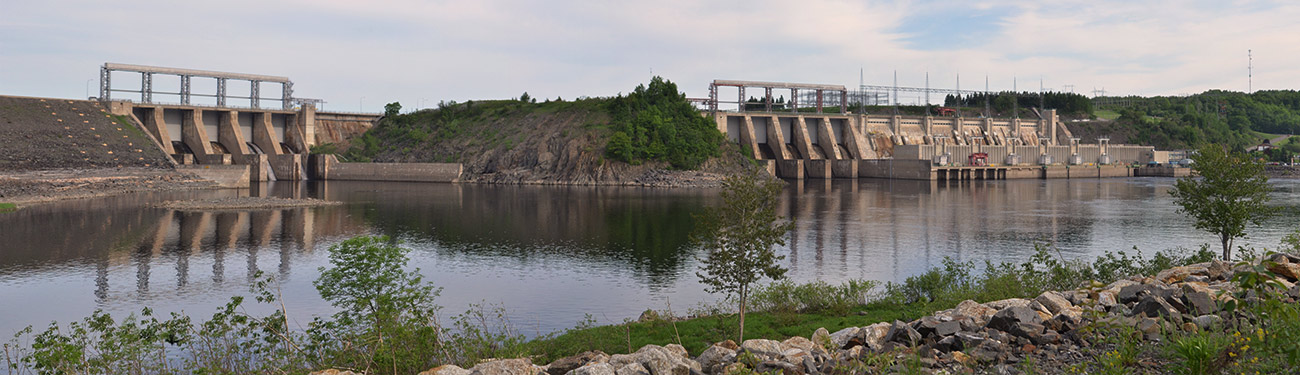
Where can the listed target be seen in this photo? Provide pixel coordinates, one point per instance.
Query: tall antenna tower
(927, 93)
(1042, 103)
(1015, 91)
(1250, 72)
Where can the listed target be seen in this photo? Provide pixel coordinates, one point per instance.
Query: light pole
(88, 88)
(361, 103)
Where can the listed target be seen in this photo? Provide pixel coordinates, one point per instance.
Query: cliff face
(340, 129)
(516, 143)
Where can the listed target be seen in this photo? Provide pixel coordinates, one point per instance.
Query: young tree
(1231, 191)
(738, 238)
(392, 109)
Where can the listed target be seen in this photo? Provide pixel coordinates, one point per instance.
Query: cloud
(411, 50)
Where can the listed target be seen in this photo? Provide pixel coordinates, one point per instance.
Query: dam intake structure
(217, 128)
(807, 141)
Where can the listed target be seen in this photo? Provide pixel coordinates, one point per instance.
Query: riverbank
(1198, 318)
(32, 187)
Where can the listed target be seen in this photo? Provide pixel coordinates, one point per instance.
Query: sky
(358, 55)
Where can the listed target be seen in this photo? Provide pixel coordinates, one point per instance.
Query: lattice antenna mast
(1250, 72)
(1042, 103)
(927, 93)
(895, 92)
(1015, 102)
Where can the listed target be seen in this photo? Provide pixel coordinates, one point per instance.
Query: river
(551, 255)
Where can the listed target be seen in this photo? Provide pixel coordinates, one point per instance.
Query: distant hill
(1237, 119)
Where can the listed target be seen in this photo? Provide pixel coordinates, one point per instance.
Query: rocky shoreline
(1054, 332)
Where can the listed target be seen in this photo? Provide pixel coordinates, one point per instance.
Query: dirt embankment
(507, 142)
(42, 133)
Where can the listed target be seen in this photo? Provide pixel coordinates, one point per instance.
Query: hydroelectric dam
(820, 139)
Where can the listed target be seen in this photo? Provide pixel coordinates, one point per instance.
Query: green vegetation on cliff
(656, 122)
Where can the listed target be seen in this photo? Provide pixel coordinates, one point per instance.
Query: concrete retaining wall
(327, 167)
(226, 176)
(895, 168)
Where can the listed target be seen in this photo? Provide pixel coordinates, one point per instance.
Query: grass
(8, 207)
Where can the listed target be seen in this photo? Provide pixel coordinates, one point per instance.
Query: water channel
(550, 255)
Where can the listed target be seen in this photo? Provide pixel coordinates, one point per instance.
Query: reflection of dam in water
(555, 253)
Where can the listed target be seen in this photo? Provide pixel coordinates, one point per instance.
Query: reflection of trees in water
(644, 231)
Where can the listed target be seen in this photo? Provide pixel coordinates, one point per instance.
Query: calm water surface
(551, 255)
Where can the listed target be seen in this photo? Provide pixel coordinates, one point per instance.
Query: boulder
(1000, 305)
(663, 361)
(762, 347)
(518, 366)
(1053, 301)
(1119, 285)
(989, 351)
(934, 327)
(632, 369)
(969, 339)
(678, 350)
(1290, 271)
(1107, 298)
(873, 336)
(564, 365)
(1199, 303)
(974, 310)
(1177, 274)
(822, 338)
(1134, 293)
(1218, 270)
(445, 370)
(845, 338)
(1008, 318)
(797, 342)
(902, 333)
(1207, 321)
(594, 369)
(716, 357)
(1154, 306)
(779, 367)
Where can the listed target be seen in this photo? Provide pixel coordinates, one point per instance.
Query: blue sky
(360, 55)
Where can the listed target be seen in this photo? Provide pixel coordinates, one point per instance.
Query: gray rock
(663, 361)
(822, 338)
(593, 369)
(1218, 270)
(873, 336)
(715, 356)
(1007, 319)
(1053, 301)
(1133, 293)
(1207, 321)
(845, 338)
(1154, 306)
(969, 340)
(1148, 325)
(989, 351)
(762, 347)
(1200, 303)
(519, 366)
(445, 370)
(1107, 298)
(797, 342)
(781, 367)
(933, 327)
(632, 369)
(564, 365)
(1003, 304)
(902, 333)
